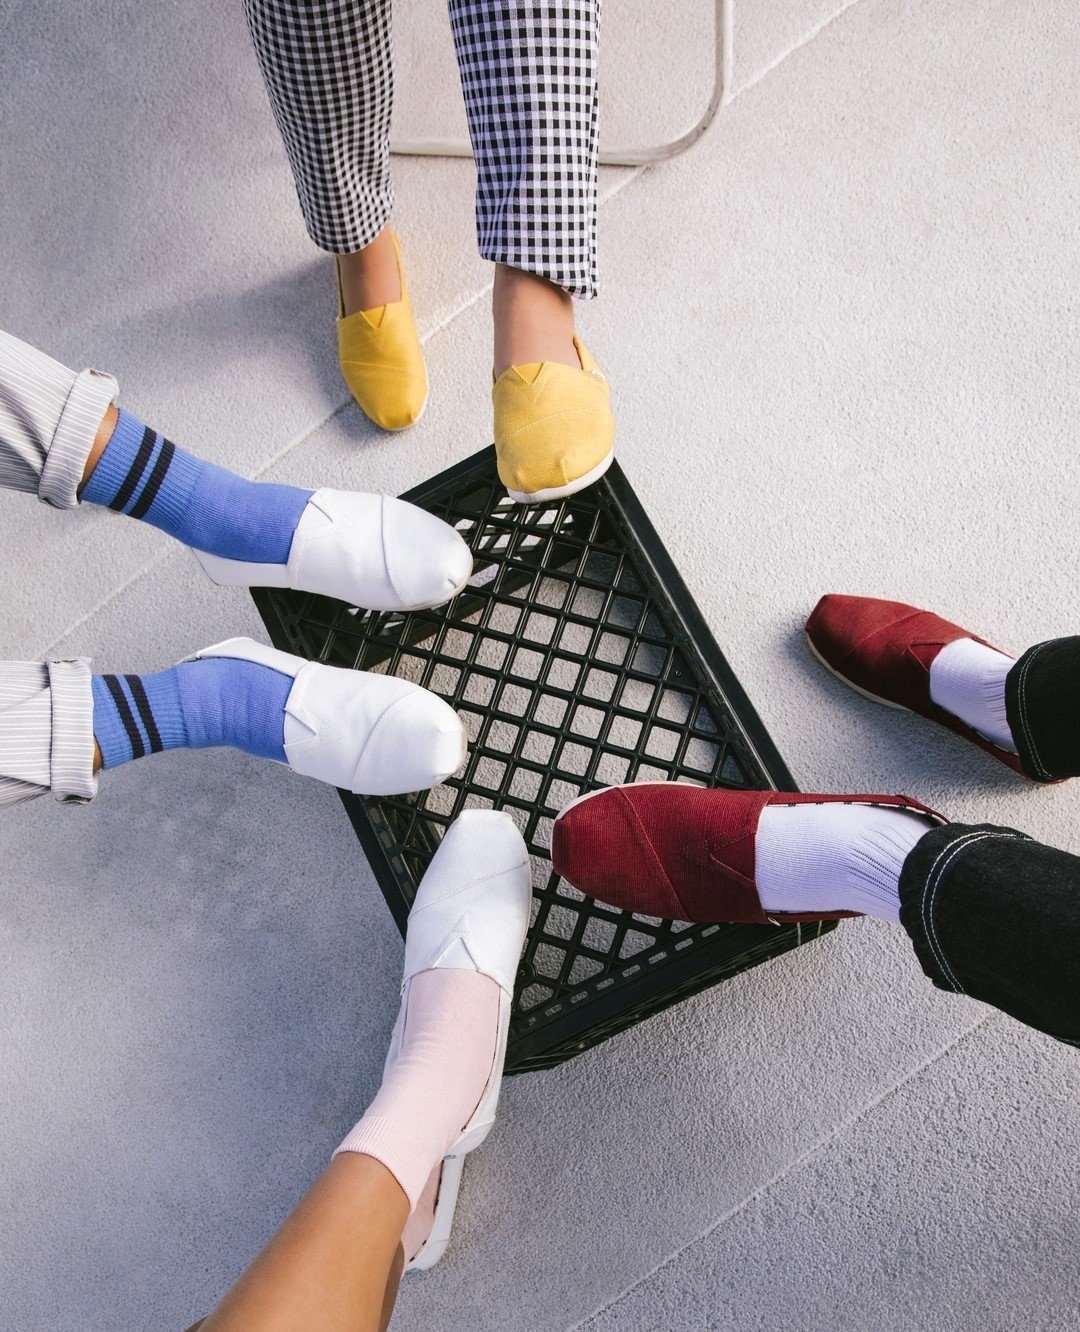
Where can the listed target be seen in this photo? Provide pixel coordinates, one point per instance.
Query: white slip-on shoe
(369, 734)
(442, 1224)
(372, 551)
(471, 912)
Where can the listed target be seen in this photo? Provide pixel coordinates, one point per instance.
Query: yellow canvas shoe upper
(554, 431)
(382, 360)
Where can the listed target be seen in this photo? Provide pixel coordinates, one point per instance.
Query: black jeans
(1042, 704)
(995, 915)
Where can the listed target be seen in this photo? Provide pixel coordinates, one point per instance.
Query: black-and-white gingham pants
(529, 75)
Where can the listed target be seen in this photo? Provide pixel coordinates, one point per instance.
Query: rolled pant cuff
(92, 393)
(1042, 705)
(581, 283)
(924, 882)
(71, 750)
(996, 916)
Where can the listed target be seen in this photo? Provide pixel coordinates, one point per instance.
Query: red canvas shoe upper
(680, 852)
(885, 648)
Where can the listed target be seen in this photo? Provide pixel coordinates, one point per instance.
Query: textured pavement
(842, 338)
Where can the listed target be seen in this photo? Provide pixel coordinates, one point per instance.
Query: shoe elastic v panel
(575, 658)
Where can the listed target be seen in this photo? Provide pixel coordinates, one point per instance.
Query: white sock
(968, 680)
(810, 858)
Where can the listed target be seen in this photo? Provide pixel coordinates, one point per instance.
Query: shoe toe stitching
(384, 546)
(646, 842)
(469, 883)
(877, 632)
(405, 698)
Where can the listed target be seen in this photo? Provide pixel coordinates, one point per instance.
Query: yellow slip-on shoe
(382, 360)
(554, 431)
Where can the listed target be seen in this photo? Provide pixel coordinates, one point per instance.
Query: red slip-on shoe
(883, 650)
(681, 852)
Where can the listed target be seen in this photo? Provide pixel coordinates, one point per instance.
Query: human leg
(687, 853)
(1042, 700)
(995, 915)
(372, 734)
(990, 913)
(1025, 712)
(62, 437)
(532, 321)
(529, 78)
(329, 72)
(49, 421)
(464, 938)
(46, 731)
(334, 1263)
(370, 550)
(329, 1265)
(369, 733)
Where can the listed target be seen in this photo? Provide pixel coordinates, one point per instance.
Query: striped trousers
(529, 76)
(49, 416)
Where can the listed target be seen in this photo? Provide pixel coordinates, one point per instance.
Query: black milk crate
(577, 659)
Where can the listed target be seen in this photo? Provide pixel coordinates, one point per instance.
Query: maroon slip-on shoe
(883, 650)
(681, 852)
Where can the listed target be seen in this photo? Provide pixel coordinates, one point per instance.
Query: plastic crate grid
(576, 659)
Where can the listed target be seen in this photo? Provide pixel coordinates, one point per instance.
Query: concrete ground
(842, 335)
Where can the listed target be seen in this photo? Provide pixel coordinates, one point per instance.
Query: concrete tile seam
(775, 63)
(802, 1159)
(150, 567)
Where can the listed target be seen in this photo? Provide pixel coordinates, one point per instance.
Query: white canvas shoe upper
(472, 907)
(369, 734)
(472, 912)
(372, 551)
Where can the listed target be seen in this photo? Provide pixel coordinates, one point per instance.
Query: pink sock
(422, 1217)
(430, 1091)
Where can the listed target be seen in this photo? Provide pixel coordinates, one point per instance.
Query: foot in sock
(824, 858)
(369, 550)
(912, 659)
(553, 427)
(967, 679)
(421, 1220)
(441, 1082)
(685, 853)
(320, 720)
(437, 1078)
(195, 705)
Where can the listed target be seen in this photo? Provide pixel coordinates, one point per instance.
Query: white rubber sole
(560, 492)
(453, 1163)
(438, 1240)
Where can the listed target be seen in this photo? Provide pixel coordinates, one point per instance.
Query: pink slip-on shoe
(884, 649)
(681, 852)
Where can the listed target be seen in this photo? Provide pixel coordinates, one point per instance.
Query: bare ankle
(370, 277)
(533, 320)
(101, 439)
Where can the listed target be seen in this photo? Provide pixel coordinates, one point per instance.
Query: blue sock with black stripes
(196, 705)
(144, 475)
